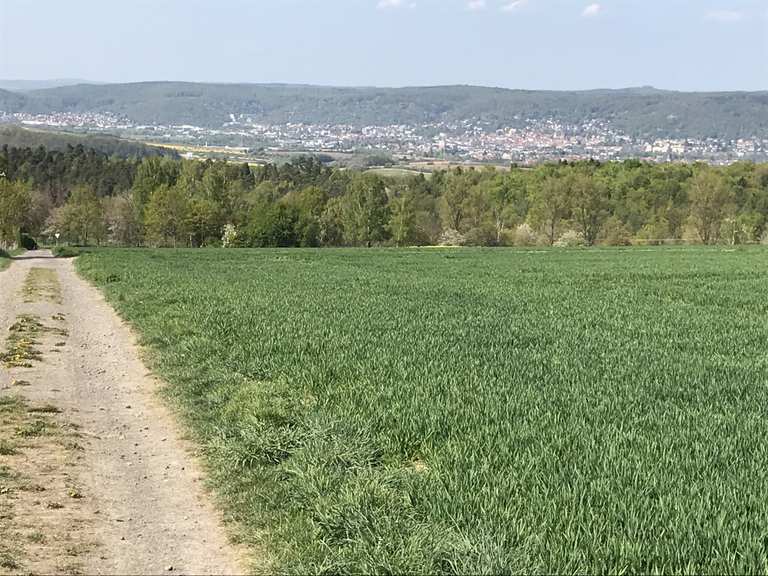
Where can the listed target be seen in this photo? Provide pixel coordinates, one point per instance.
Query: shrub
(524, 235)
(452, 238)
(654, 233)
(570, 239)
(229, 239)
(615, 233)
(66, 252)
(480, 236)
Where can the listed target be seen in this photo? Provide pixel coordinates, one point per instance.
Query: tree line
(89, 198)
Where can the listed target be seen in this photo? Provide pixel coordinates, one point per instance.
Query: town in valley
(529, 142)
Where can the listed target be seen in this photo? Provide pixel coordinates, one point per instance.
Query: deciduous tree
(710, 200)
(15, 200)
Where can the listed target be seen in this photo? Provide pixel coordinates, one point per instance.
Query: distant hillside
(16, 137)
(639, 112)
(11, 101)
(25, 85)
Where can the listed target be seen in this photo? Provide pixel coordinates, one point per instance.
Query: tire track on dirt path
(138, 505)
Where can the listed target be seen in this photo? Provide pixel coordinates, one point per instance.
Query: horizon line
(86, 82)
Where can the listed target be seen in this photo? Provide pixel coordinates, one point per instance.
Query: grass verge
(5, 259)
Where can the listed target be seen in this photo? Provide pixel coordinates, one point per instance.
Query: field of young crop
(470, 410)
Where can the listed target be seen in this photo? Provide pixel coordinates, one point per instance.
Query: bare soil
(95, 476)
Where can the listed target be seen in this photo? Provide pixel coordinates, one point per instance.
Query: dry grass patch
(24, 340)
(40, 504)
(42, 284)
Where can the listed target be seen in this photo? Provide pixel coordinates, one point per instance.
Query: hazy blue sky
(557, 44)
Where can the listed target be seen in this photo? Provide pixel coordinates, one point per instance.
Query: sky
(529, 44)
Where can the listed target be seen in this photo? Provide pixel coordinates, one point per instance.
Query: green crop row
(469, 411)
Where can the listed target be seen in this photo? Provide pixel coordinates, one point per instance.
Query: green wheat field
(473, 411)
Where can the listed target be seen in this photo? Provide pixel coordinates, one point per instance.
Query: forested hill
(15, 137)
(12, 101)
(641, 112)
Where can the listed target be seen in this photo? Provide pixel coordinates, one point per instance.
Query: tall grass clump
(470, 411)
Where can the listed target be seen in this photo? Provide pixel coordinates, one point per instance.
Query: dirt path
(94, 477)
